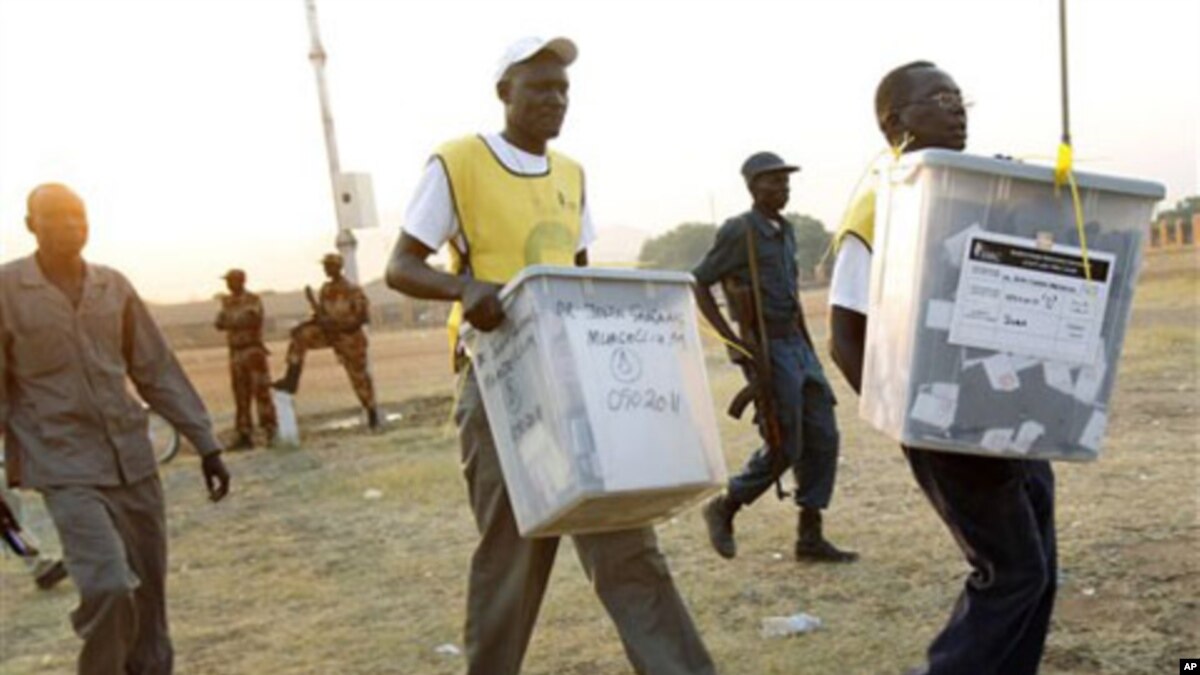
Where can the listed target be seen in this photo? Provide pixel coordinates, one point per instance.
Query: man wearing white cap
(503, 202)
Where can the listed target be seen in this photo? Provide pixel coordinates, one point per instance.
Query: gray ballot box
(597, 396)
(987, 335)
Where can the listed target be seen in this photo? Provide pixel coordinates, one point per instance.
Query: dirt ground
(348, 554)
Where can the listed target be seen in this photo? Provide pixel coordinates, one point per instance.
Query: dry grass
(298, 573)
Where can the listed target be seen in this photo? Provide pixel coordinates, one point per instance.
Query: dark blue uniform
(803, 396)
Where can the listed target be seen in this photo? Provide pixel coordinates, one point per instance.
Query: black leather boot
(812, 546)
(290, 382)
(718, 517)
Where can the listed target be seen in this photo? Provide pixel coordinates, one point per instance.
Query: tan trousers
(509, 573)
(251, 377)
(114, 543)
(351, 351)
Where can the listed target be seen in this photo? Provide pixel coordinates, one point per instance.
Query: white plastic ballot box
(987, 335)
(597, 395)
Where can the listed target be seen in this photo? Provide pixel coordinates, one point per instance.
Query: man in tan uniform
(241, 317)
(339, 315)
(71, 332)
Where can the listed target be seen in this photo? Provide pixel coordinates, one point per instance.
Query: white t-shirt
(850, 286)
(431, 219)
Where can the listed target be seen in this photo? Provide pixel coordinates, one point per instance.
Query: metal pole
(1062, 43)
(345, 241)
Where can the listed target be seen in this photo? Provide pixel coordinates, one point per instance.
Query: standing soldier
(241, 317)
(339, 315)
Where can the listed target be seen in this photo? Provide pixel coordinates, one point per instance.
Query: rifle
(320, 315)
(746, 305)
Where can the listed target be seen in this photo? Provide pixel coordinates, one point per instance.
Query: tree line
(682, 247)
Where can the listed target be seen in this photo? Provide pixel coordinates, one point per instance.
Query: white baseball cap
(524, 49)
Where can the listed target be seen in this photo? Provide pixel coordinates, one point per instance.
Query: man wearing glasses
(1000, 511)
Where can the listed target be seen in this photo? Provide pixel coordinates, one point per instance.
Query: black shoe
(718, 517)
(52, 576)
(811, 545)
(372, 419)
(821, 550)
(290, 382)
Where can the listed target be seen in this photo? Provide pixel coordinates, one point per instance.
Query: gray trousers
(114, 542)
(509, 573)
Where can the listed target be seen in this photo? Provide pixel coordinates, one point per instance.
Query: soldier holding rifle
(754, 259)
(339, 315)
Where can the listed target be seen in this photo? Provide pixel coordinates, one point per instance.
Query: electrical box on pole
(356, 201)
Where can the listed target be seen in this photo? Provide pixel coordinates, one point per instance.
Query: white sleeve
(850, 286)
(430, 217)
(587, 229)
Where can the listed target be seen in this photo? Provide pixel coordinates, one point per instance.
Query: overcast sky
(192, 129)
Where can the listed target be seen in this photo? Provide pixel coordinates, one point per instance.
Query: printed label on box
(1015, 297)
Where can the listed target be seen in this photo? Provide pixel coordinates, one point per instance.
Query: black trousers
(1001, 513)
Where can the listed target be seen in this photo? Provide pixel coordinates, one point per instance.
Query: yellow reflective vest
(859, 222)
(509, 220)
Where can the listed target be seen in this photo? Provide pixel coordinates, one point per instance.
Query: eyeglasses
(946, 100)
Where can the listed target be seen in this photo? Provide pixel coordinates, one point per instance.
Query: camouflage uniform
(241, 317)
(341, 314)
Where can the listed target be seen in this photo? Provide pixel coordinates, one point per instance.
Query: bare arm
(707, 304)
(409, 272)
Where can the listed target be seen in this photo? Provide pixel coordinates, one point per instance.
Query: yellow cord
(1087, 265)
(706, 327)
(1063, 173)
(900, 147)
